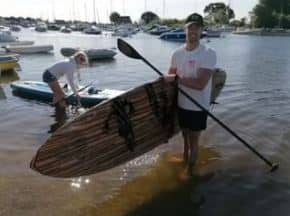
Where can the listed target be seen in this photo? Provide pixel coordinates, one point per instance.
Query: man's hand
(169, 77)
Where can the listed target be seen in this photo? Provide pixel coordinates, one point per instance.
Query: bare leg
(186, 146)
(193, 145)
(58, 94)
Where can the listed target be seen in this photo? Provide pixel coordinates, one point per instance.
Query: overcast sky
(83, 9)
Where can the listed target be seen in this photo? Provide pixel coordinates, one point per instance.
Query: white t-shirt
(187, 64)
(67, 67)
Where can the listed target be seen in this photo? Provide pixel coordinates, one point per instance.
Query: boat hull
(40, 91)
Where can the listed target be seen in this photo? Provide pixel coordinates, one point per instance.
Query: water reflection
(8, 76)
(78, 183)
(160, 191)
(2, 93)
(258, 194)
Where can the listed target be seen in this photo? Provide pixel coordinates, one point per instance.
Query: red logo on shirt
(191, 63)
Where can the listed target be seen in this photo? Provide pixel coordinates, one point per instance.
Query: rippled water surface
(254, 103)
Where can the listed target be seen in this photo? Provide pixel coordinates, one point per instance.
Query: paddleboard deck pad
(114, 131)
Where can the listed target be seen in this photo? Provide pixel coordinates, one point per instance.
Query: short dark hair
(194, 18)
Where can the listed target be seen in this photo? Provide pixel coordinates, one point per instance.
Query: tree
(148, 17)
(218, 13)
(269, 13)
(114, 17)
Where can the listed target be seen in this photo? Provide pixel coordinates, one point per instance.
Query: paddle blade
(127, 50)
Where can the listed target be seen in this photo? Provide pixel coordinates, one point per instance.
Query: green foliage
(172, 22)
(148, 17)
(218, 13)
(272, 13)
(238, 23)
(114, 17)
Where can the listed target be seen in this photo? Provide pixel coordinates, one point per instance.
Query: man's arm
(198, 83)
(172, 70)
(171, 75)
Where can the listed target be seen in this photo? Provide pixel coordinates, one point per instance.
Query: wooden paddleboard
(114, 132)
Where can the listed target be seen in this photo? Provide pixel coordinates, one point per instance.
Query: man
(193, 65)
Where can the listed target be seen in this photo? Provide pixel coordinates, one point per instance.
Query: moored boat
(158, 30)
(29, 49)
(65, 29)
(40, 91)
(41, 27)
(92, 30)
(177, 35)
(93, 54)
(6, 38)
(8, 62)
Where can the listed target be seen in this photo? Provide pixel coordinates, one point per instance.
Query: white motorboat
(8, 63)
(65, 29)
(6, 38)
(29, 49)
(16, 43)
(92, 30)
(41, 27)
(15, 28)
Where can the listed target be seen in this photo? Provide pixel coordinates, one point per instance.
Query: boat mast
(86, 14)
(94, 8)
(53, 11)
(74, 11)
(163, 7)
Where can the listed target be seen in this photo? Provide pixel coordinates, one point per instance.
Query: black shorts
(193, 120)
(48, 77)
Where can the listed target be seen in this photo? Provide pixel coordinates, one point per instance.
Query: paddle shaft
(79, 90)
(216, 119)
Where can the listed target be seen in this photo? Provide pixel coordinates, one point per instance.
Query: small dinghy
(26, 49)
(40, 91)
(93, 54)
(8, 62)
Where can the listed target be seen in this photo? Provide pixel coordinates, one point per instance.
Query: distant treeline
(272, 13)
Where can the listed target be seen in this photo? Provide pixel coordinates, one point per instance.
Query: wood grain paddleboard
(115, 131)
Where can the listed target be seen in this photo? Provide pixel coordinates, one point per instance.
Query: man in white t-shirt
(193, 64)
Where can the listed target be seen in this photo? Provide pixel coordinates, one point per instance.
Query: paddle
(79, 90)
(129, 51)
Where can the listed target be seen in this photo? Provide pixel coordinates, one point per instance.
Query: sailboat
(93, 29)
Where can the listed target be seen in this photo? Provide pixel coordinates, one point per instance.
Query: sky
(84, 9)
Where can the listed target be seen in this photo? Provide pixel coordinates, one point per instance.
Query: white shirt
(67, 67)
(187, 64)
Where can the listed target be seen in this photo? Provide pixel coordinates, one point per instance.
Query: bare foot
(184, 175)
(175, 159)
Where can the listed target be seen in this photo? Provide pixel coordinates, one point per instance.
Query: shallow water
(254, 103)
